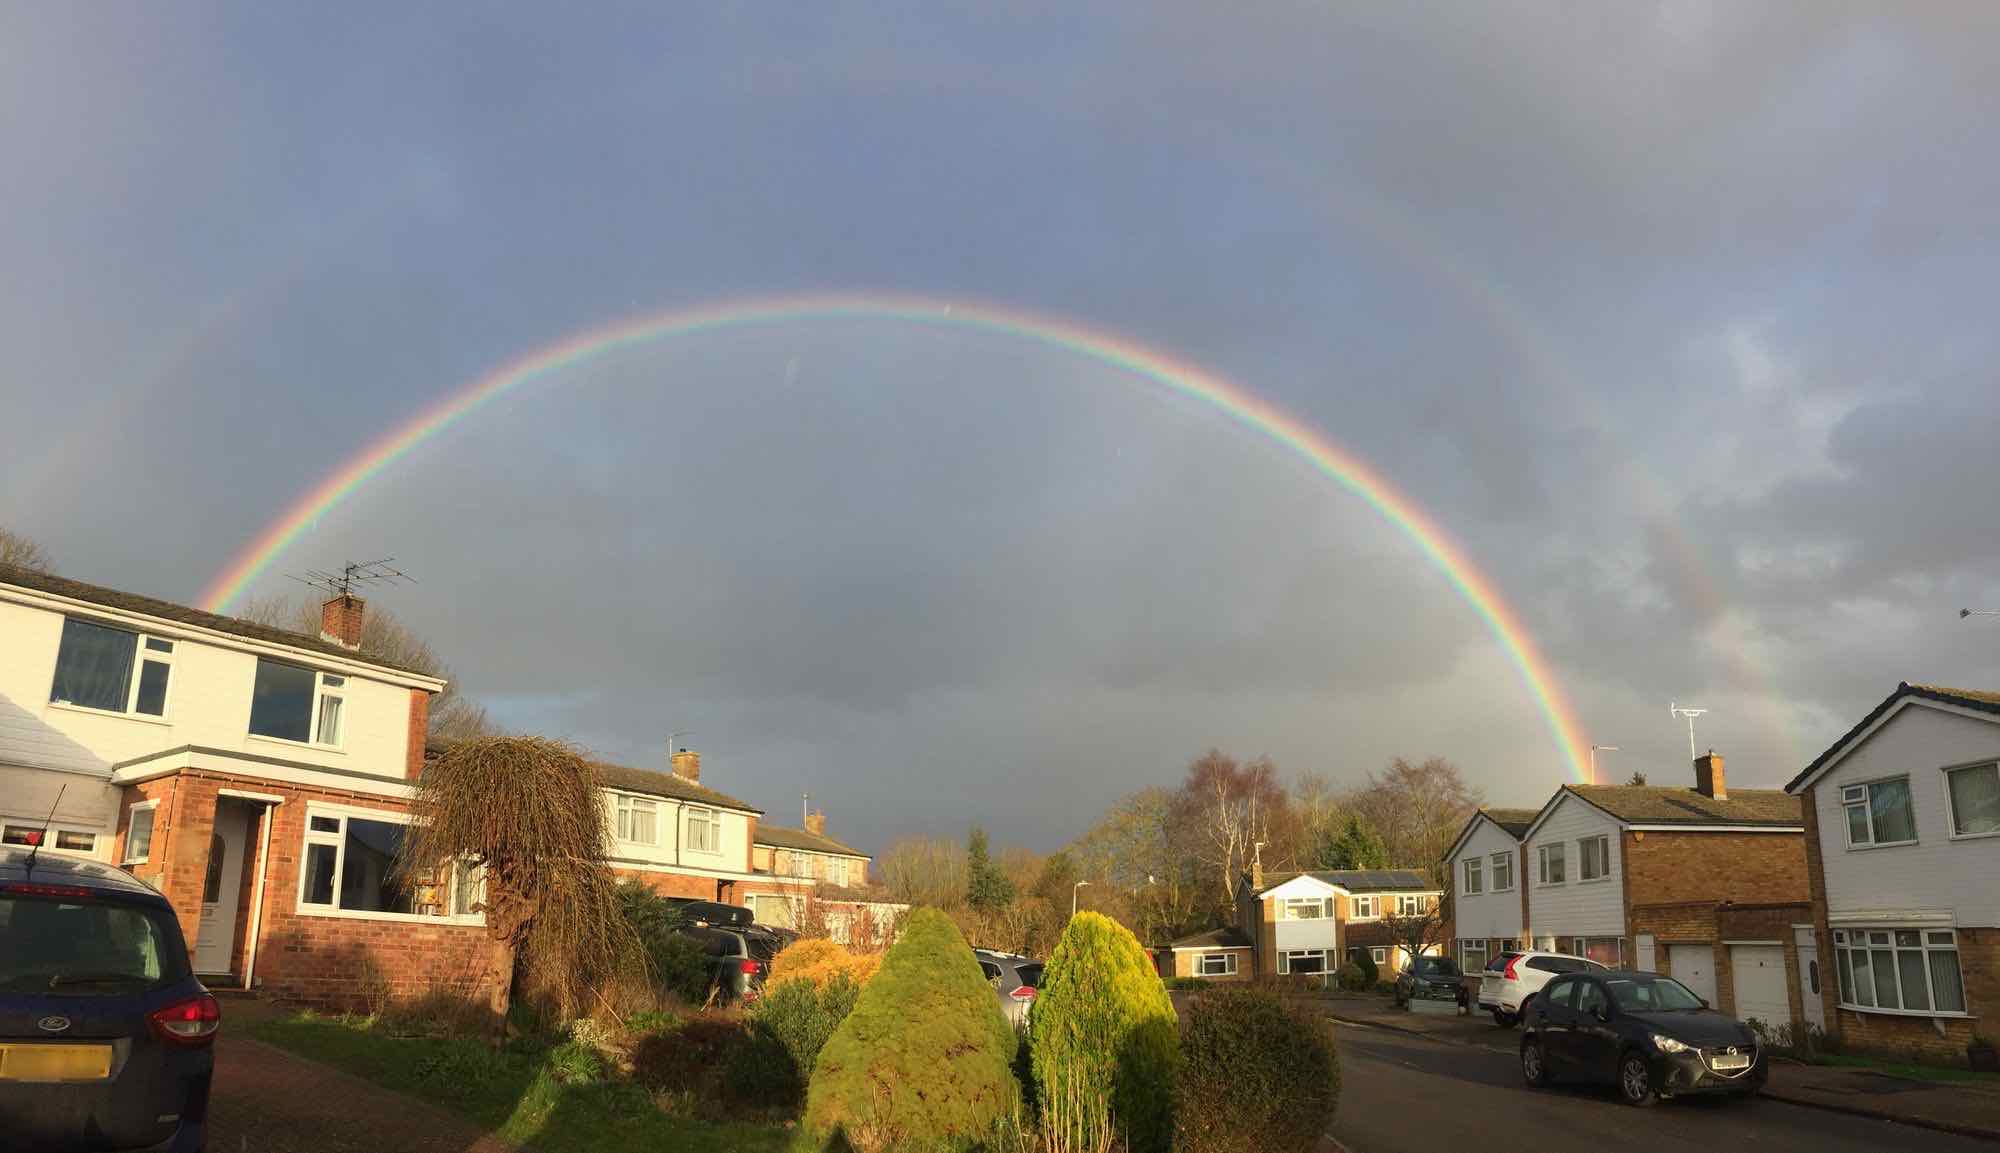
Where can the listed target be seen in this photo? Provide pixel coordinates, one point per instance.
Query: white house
(1486, 885)
(1903, 816)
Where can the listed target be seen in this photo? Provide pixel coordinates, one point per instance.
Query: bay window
(1879, 813)
(1901, 970)
(293, 703)
(1475, 876)
(1975, 799)
(118, 671)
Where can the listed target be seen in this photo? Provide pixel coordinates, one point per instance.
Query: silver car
(1014, 979)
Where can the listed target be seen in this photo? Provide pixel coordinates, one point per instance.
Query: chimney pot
(816, 823)
(687, 765)
(340, 620)
(1708, 776)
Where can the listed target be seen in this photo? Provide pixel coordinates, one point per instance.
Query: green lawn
(512, 1092)
(1913, 1072)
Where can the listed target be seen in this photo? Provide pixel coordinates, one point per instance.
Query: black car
(105, 1035)
(1430, 979)
(1642, 1032)
(739, 951)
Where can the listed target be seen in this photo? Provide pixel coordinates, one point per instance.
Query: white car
(1512, 979)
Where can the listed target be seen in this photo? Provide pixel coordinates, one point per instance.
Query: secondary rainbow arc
(1175, 375)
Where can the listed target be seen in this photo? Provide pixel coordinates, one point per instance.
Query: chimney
(816, 823)
(1708, 779)
(687, 766)
(340, 620)
(1256, 874)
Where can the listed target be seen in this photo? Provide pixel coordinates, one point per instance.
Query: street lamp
(1072, 898)
(1963, 613)
(1594, 750)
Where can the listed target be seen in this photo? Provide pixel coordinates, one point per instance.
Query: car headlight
(1666, 1044)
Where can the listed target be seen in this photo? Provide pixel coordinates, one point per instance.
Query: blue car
(106, 1038)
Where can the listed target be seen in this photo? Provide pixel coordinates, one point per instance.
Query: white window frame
(152, 828)
(1498, 860)
(1553, 850)
(1866, 802)
(1288, 908)
(1860, 940)
(1465, 951)
(1474, 869)
(51, 834)
(710, 819)
(338, 839)
(1367, 907)
(140, 655)
(625, 811)
(1202, 960)
(1408, 905)
(1379, 954)
(1285, 961)
(1602, 842)
(325, 685)
(1951, 806)
(836, 871)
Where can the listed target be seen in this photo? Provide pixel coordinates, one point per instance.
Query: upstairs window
(1593, 858)
(1503, 872)
(1975, 800)
(638, 820)
(98, 667)
(1367, 908)
(1409, 906)
(1302, 909)
(1475, 876)
(1879, 813)
(1554, 868)
(704, 830)
(295, 703)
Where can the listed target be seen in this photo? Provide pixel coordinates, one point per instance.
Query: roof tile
(1649, 804)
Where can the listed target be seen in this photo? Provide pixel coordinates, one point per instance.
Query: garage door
(1694, 966)
(1758, 974)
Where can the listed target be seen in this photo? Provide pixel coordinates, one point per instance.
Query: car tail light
(190, 1022)
(1024, 993)
(33, 889)
(752, 967)
(1511, 962)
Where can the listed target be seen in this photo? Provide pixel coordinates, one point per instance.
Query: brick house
(1705, 884)
(259, 778)
(1903, 842)
(1223, 954)
(1307, 923)
(804, 874)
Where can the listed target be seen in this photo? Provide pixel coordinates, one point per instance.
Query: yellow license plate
(55, 1062)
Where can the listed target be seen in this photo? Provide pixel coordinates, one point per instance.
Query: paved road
(1403, 1094)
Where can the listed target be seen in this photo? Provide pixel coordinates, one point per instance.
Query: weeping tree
(525, 810)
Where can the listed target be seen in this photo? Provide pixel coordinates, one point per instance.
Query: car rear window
(1560, 964)
(1437, 966)
(1030, 975)
(1499, 963)
(86, 948)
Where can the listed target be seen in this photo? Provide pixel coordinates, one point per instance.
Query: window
(139, 834)
(638, 820)
(1904, 970)
(295, 703)
(705, 831)
(1606, 951)
(1593, 858)
(1472, 954)
(1215, 965)
(1503, 872)
(1590, 997)
(1302, 961)
(836, 871)
(1302, 909)
(350, 866)
(1475, 876)
(1366, 908)
(20, 835)
(1379, 954)
(1562, 991)
(1878, 813)
(1975, 800)
(1552, 864)
(94, 669)
(76, 842)
(1409, 906)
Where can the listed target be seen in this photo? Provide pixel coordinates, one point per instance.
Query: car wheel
(1534, 1064)
(1505, 1020)
(1635, 1081)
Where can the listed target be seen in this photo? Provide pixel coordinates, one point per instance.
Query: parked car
(1645, 1033)
(1511, 979)
(739, 951)
(105, 1035)
(1430, 979)
(1014, 978)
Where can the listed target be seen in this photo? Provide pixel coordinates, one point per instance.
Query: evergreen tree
(986, 886)
(1355, 846)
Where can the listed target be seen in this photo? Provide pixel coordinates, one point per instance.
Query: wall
(1898, 1036)
(89, 805)
(1937, 873)
(1184, 964)
(670, 823)
(1576, 907)
(1740, 867)
(1715, 924)
(1489, 914)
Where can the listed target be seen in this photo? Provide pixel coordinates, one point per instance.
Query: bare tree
(1418, 810)
(22, 552)
(924, 871)
(1416, 933)
(1142, 858)
(1235, 806)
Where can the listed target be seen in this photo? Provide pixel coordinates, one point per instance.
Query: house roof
(1980, 700)
(656, 783)
(1360, 880)
(1227, 937)
(1659, 805)
(784, 837)
(1514, 822)
(54, 585)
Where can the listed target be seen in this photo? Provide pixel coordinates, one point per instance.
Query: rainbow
(1177, 376)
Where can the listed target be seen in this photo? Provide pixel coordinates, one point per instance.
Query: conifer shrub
(1257, 1075)
(1104, 1042)
(925, 1057)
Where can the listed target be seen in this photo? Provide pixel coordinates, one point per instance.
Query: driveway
(1404, 1094)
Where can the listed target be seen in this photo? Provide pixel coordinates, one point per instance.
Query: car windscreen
(1030, 975)
(80, 947)
(1651, 994)
(1437, 967)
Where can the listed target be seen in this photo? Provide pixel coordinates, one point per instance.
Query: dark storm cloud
(1673, 316)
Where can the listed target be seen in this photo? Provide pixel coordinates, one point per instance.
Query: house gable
(1976, 707)
(1574, 906)
(1303, 885)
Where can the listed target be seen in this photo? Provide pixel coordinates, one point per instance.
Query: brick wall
(1184, 962)
(1919, 1038)
(1747, 868)
(1822, 930)
(674, 884)
(1712, 923)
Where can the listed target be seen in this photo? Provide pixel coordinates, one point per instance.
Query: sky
(1675, 318)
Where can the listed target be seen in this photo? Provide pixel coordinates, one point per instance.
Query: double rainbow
(1108, 348)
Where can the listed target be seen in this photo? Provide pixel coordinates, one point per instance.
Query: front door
(216, 936)
(1809, 977)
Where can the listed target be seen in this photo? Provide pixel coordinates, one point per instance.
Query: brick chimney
(687, 765)
(340, 620)
(1708, 780)
(816, 823)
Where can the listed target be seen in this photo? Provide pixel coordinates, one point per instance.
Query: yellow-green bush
(1257, 1075)
(816, 959)
(924, 1058)
(1103, 1041)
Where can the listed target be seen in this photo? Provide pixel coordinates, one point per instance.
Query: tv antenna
(1690, 712)
(353, 575)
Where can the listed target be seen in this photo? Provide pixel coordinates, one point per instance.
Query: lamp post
(1072, 898)
(1963, 613)
(1594, 750)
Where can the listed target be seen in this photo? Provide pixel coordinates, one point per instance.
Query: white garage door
(1694, 966)
(1758, 973)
